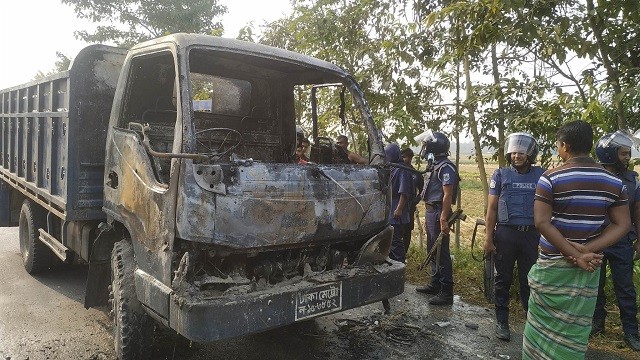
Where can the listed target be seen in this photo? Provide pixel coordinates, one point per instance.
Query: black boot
(387, 306)
(430, 289)
(502, 331)
(443, 298)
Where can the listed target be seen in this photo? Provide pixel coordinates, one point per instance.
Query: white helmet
(521, 142)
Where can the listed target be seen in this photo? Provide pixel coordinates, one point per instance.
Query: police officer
(439, 193)
(614, 152)
(510, 231)
(414, 200)
(402, 189)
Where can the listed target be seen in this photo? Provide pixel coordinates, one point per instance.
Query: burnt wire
(341, 187)
(364, 212)
(401, 334)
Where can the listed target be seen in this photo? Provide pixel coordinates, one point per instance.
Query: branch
(570, 77)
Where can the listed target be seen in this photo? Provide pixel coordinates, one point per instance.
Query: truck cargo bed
(53, 133)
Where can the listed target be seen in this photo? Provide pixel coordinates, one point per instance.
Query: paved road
(42, 317)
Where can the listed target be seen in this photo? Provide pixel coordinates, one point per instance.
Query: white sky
(31, 31)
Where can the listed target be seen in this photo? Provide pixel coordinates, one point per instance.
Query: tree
(127, 22)
(60, 65)
(374, 41)
(608, 35)
(616, 29)
(406, 53)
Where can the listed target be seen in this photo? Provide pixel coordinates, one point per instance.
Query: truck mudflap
(203, 320)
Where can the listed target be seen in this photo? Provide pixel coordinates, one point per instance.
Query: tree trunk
(458, 127)
(500, 101)
(470, 103)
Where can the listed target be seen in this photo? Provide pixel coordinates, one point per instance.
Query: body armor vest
(515, 204)
(432, 191)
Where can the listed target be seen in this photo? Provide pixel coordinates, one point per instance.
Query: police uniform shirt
(495, 185)
(444, 174)
(630, 180)
(630, 177)
(401, 183)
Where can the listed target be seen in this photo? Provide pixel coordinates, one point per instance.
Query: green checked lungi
(561, 305)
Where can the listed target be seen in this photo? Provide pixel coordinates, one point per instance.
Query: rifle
(435, 249)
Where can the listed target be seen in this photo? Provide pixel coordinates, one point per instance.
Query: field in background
(468, 272)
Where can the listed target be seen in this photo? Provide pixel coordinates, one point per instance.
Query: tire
(36, 256)
(133, 328)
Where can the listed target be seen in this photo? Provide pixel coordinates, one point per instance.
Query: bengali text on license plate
(319, 300)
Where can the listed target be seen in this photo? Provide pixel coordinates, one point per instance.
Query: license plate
(319, 300)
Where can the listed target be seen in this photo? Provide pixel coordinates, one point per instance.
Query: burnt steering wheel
(218, 141)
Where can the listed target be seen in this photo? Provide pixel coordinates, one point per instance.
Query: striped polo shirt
(580, 192)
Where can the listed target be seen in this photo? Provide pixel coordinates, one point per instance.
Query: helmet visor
(425, 137)
(618, 139)
(520, 143)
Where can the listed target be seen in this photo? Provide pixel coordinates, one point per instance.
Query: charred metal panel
(153, 293)
(283, 204)
(96, 72)
(133, 198)
(142, 204)
(133, 195)
(210, 178)
(202, 319)
(196, 207)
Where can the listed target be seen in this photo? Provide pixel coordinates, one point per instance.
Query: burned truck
(197, 218)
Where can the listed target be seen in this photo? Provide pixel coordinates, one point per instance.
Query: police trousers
(513, 246)
(619, 257)
(398, 252)
(442, 276)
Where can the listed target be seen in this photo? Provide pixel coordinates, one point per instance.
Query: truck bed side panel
(54, 131)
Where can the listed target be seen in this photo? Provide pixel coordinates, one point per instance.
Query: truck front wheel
(36, 256)
(133, 328)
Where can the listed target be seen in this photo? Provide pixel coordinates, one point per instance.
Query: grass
(468, 272)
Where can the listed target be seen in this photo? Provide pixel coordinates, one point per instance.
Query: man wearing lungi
(571, 204)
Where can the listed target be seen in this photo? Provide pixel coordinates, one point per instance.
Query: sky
(31, 31)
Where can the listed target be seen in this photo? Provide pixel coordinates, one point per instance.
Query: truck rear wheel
(36, 256)
(133, 328)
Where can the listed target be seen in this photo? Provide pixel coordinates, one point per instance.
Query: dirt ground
(42, 317)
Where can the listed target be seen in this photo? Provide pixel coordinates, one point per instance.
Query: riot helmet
(435, 143)
(608, 145)
(521, 142)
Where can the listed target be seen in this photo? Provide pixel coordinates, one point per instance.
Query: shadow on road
(67, 279)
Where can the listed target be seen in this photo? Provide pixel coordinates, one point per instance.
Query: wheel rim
(25, 242)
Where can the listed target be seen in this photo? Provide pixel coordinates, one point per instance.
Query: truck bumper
(320, 294)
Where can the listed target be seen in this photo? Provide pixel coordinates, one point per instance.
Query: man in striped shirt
(572, 202)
